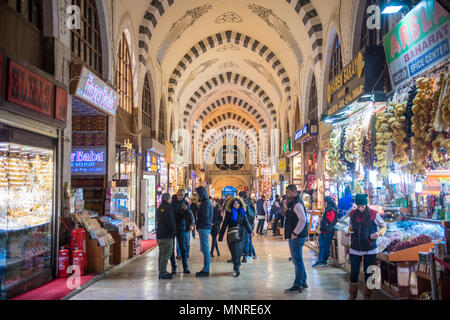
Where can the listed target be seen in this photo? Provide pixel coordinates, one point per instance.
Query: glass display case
(26, 215)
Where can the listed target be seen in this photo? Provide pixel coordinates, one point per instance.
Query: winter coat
(217, 220)
(260, 209)
(183, 218)
(250, 211)
(205, 211)
(194, 208)
(242, 221)
(165, 222)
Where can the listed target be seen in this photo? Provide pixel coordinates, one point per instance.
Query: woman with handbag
(234, 223)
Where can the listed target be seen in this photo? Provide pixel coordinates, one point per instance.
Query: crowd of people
(178, 218)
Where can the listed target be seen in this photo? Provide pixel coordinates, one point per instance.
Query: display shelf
(441, 222)
(12, 262)
(22, 281)
(25, 228)
(410, 254)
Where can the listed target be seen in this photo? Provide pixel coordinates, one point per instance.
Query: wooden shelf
(410, 254)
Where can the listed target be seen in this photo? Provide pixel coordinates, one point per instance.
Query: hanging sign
(88, 161)
(324, 136)
(29, 90)
(282, 165)
(363, 75)
(301, 132)
(93, 90)
(297, 168)
(418, 42)
(151, 162)
(169, 152)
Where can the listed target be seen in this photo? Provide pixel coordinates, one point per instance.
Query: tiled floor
(264, 278)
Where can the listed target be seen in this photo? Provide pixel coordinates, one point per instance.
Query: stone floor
(262, 279)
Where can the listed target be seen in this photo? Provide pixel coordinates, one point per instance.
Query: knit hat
(361, 199)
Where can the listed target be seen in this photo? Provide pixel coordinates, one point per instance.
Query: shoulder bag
(233, 234)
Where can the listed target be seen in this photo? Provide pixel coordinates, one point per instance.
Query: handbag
(233, 234)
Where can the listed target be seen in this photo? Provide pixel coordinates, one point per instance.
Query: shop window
(146, 104)
(312, 103)
(124, 83)
(85, 42)
(31, 10)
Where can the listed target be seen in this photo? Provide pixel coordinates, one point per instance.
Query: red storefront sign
(60, 104)
(29, 90)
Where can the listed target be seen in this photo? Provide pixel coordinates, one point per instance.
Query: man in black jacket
(204, 223)
(296, 230)
(249, 251)
(184, 220)
(165, 232)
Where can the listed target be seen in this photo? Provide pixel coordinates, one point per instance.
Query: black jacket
(292, 220)
(325, 225)
(194, 208)
(260, 212)
(242, 221)
(217, 220)
(183, 218)
(165, 222)
(250, 211)
(205, 211)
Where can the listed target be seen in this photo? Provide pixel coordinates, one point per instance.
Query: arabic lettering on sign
(29, 90)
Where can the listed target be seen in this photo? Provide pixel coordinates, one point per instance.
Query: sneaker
(230, 261)
(323, 265)
(293, 289)
(315, 265)
(249, 258)
(187, 271)
(202, 274)
(218, 254)
(165, 276)
(236, 274)
(174, 271)
(178, 258)
(305, 286)
(255, 257)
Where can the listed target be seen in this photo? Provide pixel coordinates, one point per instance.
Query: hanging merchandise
(398, 123)
(383, 136)
(335, 166)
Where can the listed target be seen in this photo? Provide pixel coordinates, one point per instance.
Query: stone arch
(229, 37)
(234, 181)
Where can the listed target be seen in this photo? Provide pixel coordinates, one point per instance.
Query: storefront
(149, 191)
(33, 113)
(283, 175)
(93, 101)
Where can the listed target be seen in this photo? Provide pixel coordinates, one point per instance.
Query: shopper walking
(217, 220)
(296, 230)
(329, 220)
(204, 224)
(261, 214)
(345, 203)
(236, 224)
(165, 233)
(367, 225)
(183, 218)
(248, 253)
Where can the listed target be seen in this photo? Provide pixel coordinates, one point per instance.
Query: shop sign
(60, 104)
(94, 91)
(29, 90)
(325, 134)
(297, 168)
(418, 42)
(151, 162)
(361, 76)
(300, 133)
(169, 152)
(88, 161)
(282, 165)
(178, 160)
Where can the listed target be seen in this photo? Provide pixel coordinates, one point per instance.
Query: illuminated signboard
(151, 162)
(94, 91)
(300, 133)
(88, 161)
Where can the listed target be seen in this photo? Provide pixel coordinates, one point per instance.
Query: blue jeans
(204, 247)
(324, 247)
(296, 248)
(188, 242)
(181, 241)
(246, 249)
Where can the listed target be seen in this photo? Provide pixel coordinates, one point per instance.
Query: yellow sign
(324, 136)
(282, 165)
(169, 152)
(352, 70)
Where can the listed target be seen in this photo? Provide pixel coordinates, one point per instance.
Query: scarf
(234, 215)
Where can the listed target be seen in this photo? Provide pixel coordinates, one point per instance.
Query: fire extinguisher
(78, 260)
(63, 262)
(78, 240)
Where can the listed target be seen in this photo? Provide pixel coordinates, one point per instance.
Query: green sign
(418, 42)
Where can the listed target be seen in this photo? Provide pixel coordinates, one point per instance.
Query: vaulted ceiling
(230, 63)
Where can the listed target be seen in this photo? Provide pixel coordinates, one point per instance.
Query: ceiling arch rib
(236, 102)
(148, 25)
(229, 77)
(310, 18)
(229, 37)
